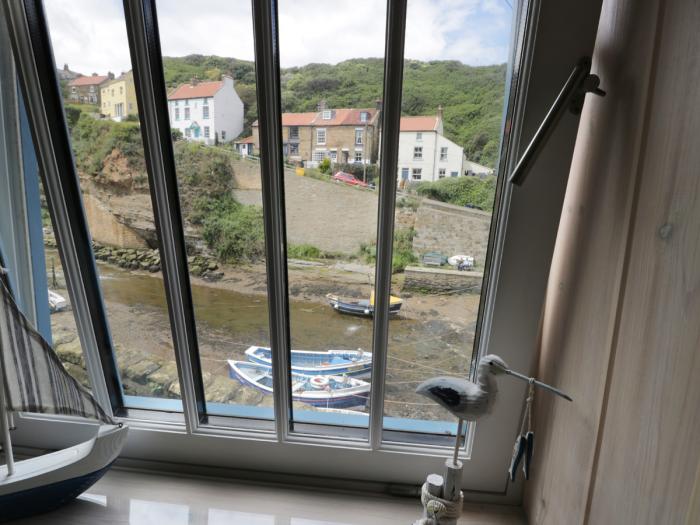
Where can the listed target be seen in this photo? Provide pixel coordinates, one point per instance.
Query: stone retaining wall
(432, 280)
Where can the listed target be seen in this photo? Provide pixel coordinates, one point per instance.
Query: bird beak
(535, 381)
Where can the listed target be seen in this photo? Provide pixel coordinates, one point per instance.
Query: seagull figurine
(468, 400)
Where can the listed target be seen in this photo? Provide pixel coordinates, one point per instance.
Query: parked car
(349, 178)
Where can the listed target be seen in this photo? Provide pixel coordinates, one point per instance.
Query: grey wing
(461, 397)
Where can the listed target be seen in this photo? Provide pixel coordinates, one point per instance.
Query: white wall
(430, 165)
(229, 112)
(195, 106)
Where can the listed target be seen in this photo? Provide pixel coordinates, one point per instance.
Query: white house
(207, 111)
(425, 154)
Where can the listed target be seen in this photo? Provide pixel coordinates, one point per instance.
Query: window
(333, 155)
(223, 134)
(320, 136)
(73, 89)
(188, 132)
(187, 102)
(318, 156)
(92, 89)
(121, 90)
(187, 113)
(441, 173)
(294, 132)
(177, 113)
(293, 148)
(229, 323)
(419, 136)
(358, 156)
(205, 112)
(206, 132)
(454, 173)
(358, 136)
(404, 174)
(418, 153)
(112, 91)
(443, 153)
(364, 116)
(327, 113)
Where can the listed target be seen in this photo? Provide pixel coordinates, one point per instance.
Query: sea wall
(438, 280)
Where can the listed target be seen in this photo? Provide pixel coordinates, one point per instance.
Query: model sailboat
(32, 379)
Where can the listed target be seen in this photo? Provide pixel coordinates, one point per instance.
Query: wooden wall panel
(584, 284)
(621, 327)
(650, 445)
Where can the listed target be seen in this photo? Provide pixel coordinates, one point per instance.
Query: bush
(72, 115)
(304, 251)
(176, 134)
(402, 255)
(462, 191)
(232, 230)
(325, 165)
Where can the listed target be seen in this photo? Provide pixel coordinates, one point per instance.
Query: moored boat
(309, 362)
(361, 307)
(57, 303)
(321, 391)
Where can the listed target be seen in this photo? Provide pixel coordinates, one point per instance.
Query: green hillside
(472, 97)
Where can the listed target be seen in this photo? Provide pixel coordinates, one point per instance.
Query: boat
(43, 483)
(362, 307)
(320, 391)
(308, 362)
(57, 303)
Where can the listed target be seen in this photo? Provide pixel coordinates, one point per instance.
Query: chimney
(194, 81)
(439, 112)
(321, 105)
(110, 75)
(378, 104)
(65, 67)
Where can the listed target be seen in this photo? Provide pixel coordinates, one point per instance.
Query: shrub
(402, 255)
(462, 191)
(304, 251)
(325, 165)
(232, 230)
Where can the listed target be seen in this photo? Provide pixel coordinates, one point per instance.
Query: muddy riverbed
(433, 335)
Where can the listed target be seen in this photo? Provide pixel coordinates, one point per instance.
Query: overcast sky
(90, 36)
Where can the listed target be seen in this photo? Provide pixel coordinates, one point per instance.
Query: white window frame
(416, 173)
(223, 134)
(359, 134)
(443, 153)
(358, 159)
(417, 152)
(321, 132)
(326, 114)
(441, 173)
(507, 326)
(186, 116)
(177, 113)
(419, 136)
(206, 132)
(293, 132)
(205, 112)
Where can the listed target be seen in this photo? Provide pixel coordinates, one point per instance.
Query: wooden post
(435, 485)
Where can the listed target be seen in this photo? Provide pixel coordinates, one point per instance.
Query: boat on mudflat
(361, 307)
(319, 391)
(309, 362)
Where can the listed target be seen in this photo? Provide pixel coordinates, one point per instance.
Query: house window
(443, 153)
(318, 156)
(418, 153)
(358, 156)
(223, 134)
(187, 102)
(416, 174)
(112, 91)
(92, 89)
(206, 132)
(187, 113)
(74, 89)
(293, 148)
(441, 173)
(121, 90)
(419, 136)
(320, 136)
(358, 136)
(177, 113)
(364, 116)
(205, 112)
(454, 173)
(404, 173)
(334, 155)
(327, 114)
(188, 132)
(294, 132)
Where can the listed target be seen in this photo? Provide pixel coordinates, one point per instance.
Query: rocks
(160, 382)
(141, 371)
(148, 260)
(71, 352)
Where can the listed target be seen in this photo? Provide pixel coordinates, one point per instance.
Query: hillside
(472, 97)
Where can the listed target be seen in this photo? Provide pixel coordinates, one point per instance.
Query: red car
(348, 178)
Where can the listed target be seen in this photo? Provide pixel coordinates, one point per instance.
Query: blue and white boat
(308, 362)
(320, 391)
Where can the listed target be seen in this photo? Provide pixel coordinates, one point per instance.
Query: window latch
(571, 97)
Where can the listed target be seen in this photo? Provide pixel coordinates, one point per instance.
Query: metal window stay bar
(571, 97)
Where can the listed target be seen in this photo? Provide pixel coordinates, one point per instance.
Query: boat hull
(308, 362)
(46, 482)
(358, 309)
(352, 398)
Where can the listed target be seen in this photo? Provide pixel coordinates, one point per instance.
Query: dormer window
(326, 114)
(364, 116)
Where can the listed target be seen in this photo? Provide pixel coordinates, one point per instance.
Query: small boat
(320, 391)
(361, 307)
(57, 303)
(43, 483)
(308, 362)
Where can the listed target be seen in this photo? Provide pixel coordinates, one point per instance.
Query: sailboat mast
(5, 424)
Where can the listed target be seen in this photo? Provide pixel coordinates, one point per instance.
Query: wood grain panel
(584, 284)
(649, 447)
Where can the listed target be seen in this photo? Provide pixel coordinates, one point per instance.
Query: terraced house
(118, 97)
(343, 135)
(86, 89)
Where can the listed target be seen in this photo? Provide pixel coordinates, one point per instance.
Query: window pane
(209, 71)
(92, 55)
(331, 120)
(452, 114)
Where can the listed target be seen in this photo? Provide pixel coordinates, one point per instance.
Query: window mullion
(37, 73)
(267, 75)
(144, 46)
(393, 83)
